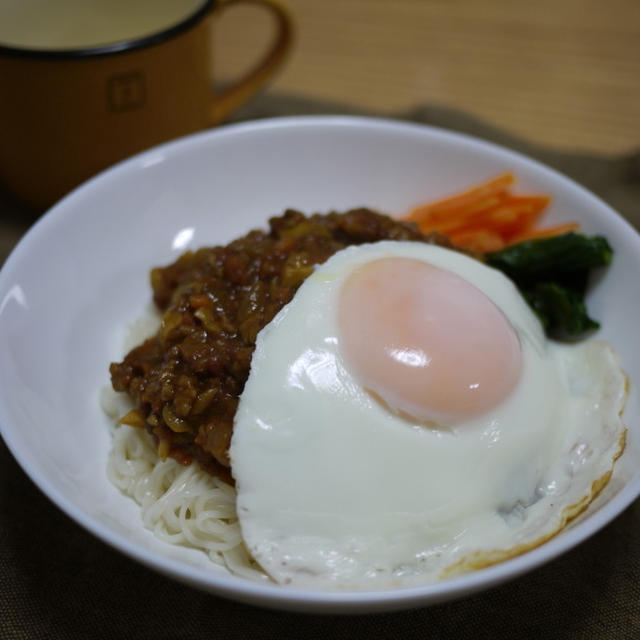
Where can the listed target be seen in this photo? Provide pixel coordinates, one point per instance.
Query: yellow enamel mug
(85, 83)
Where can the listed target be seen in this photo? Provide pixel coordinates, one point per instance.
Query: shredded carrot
(511, 216)
(447, 221)
(462, 203)
(547, 232)
(487, 216)
(480, 240)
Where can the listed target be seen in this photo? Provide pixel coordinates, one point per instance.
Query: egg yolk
(425, 341)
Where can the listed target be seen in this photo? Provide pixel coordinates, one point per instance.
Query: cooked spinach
(552, 275)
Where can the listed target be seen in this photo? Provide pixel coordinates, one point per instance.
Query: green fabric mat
(58, 581)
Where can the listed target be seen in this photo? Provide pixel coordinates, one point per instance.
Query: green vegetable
(561, 310)
(552, 275)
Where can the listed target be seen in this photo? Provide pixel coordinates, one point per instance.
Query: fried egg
(406, 419)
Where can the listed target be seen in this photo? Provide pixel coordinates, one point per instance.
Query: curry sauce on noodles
(182, 380)
(185, 380)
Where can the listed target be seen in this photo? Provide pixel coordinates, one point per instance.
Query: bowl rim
(271, 595)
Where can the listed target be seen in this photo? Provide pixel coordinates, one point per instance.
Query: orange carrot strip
(545, 232)
(513, 216)
(487, 216)
(440, 209)
(481, 241)
(456, 219)
(517, 214)
(529, 209)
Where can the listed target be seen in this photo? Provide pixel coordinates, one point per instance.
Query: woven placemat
(57, 581)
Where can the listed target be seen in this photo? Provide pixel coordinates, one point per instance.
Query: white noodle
(181, 505)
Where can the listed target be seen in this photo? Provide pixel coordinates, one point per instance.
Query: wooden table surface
(563, 73)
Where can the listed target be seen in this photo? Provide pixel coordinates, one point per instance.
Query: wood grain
(563, 73)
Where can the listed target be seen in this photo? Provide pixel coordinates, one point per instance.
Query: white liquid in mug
(78, 24)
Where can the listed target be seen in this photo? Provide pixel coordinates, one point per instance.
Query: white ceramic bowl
(80, 276)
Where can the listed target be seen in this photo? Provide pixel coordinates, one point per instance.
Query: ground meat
(186, 380)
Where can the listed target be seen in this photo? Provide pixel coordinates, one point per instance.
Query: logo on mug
(125, 91)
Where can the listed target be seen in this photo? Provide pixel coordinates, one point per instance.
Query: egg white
(336, 491)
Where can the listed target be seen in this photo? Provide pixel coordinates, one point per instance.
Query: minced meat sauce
(186, 380)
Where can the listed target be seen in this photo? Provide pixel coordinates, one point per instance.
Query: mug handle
(226, 101)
